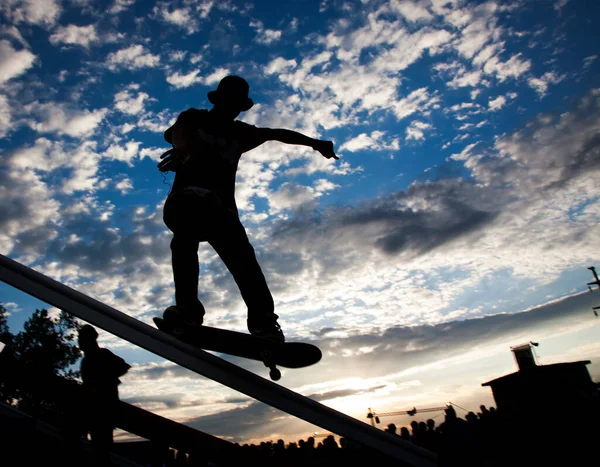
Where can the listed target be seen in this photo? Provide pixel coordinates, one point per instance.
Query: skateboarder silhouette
(201, 207)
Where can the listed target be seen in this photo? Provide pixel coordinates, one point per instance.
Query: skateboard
(239, 344)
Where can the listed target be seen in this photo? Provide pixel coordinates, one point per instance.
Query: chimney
(524, 355)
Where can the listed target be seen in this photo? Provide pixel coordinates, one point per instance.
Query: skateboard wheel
(275, 374)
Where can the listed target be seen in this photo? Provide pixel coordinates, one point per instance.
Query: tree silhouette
(5, 335)
(7, 359)
(42, 354)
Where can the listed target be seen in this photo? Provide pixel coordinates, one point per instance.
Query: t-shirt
(216, 151)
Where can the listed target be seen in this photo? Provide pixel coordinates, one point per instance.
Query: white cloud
(75, 35)
(465, 78)
(279, 65)
(183, 81)
(12, 62)
(186, 17)
(124, 186)
(465, 154)
(497, 103)
(408, 48)
(291, 196)
(417, 101)
(264, 35)
(47, 156)
(372, 142)
(541, 84)
(412, 11)
(177, 55)
(358, 143)
(513, 68)
(122, 153)
(63, 119)
(5, 116)
(204, 7)
(323, 185)
(132, 58)
(84, 164)
(216, 76)
(128, 104)
(480, 28)
(42, 156)
(488, 52)
(126, 128)
(14, 33)
(120, 5)
(416, 130)
(183, 18)
(152, 153)
(587, 61)
(156, 123)
(39, 12)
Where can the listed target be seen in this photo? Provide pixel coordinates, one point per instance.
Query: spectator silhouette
(414, 426)
(391, 428)
(405, 434)
(455, 442)
(430, 436)
(100, 372)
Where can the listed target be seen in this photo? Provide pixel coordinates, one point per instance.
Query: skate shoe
(188, 316)
(267, 328)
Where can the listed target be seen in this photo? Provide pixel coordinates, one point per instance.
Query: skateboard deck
(239, 344)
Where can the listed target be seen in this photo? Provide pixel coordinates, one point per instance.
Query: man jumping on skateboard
(207, 146)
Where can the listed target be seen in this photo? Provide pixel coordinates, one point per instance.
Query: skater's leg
(184, 260)
(180, 216)
(233, 247)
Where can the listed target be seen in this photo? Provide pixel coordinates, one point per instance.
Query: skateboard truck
(267, 358)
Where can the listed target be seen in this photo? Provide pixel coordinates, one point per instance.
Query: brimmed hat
(232, 89)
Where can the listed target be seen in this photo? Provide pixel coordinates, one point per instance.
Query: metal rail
(105, 317)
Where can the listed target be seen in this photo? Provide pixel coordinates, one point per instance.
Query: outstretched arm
(325, 147)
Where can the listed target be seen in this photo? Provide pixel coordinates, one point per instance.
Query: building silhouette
(551, 410)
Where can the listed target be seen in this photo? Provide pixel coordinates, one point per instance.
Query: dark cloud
(343, 393)
(324, 331)
(549, 152)
(239, 423)
(400, 348)
(446, 209)
(170, 401)
(160, 372)
(27, 213)
(103, 245)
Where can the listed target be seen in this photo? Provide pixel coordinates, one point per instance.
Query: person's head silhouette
(231, 95)
(87, 338)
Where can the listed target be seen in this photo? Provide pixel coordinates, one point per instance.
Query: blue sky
(459, 220)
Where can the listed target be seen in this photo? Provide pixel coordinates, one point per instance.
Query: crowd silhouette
(487, 438)
(456, 441)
